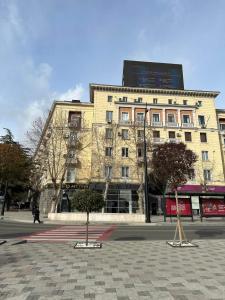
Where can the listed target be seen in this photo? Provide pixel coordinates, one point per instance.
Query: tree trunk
(87, 228)
(164, 205)
(4, 201)
(179, 226)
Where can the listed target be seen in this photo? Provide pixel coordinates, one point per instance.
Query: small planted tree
(87, 201)
(173, 163)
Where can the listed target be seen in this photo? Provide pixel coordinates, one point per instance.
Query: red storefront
(211, 201)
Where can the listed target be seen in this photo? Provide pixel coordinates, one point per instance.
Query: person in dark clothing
(36, 214)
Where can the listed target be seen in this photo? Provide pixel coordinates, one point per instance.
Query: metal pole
(147, 208)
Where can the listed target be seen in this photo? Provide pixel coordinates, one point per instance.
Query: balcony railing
(156, 124)
(125, 122)
(187, 125)
(174, 140)
(172, 124)
(157, 140)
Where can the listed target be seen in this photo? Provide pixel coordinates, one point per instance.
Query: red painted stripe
(107, 233)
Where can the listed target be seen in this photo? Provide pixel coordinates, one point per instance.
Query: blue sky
(53, 49)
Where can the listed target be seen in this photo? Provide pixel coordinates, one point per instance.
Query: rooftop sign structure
(152, 75)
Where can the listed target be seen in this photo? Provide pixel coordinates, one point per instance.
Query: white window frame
(125, 172)
(173, 117)
(124, 116)
(108, 151)
(205, 155)
(189, 119)
(107, 135)
(109, 115)
(207, 175)
(125, 136)
(155, 114)
(108, 172)
(125, 152)
(140, 116)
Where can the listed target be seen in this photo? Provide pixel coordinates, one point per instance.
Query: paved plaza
(120, 270)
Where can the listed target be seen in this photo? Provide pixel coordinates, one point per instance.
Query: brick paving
(120, 271)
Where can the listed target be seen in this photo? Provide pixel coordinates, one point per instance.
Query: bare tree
(58, 149)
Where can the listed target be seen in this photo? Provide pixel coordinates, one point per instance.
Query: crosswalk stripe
(71, 233)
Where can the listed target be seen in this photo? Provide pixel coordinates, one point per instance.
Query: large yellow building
(110, 129)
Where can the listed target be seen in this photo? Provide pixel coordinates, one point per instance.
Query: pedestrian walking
(36, 214)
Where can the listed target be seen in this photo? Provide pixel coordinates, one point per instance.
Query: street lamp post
(147, 206)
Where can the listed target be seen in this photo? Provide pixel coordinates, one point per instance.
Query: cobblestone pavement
(120, 270)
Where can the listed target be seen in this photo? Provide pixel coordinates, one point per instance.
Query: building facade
(109, 129)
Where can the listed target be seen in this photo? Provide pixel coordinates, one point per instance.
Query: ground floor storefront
(125, 199)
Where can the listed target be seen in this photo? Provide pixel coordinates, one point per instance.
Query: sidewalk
(26, 216)
(118, 271)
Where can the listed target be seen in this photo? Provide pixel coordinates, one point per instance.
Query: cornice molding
(153, 91)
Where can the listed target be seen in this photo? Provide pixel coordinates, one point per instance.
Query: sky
(53, 49)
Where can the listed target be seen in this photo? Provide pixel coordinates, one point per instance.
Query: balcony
(173, 140)
(172, 124)
(157, 140)
(156, 124)
(125, 122)
(187, 125)
(140, 123)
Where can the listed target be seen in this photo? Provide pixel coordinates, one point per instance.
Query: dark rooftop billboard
(152, 75)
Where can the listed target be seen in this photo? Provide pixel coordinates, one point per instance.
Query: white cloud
(72, 94)
(25, 84)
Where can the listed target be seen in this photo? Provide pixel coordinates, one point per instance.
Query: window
(108, 171)
(124, 152)
(110, 98)
(109, 116)
(224, 141)
(70, 175)
(125, 116)
(170, 118)
(140, 152)
(125, 134)
(140, 133)
(207, 175)
(205, 155)
(75, 119)
(108, 133)
(172, 135)
(185, 102)
(199, 103)
(170, 101)
(155, 100)
(201, 120)
(186, 119)
(156, 134)
(222, 126)
(124, 99)
(155, 118)
(192, 175)
(187, 136)
(108, 151)
(140, 117)
(203, 137)
(125, 172)
(138, 100)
